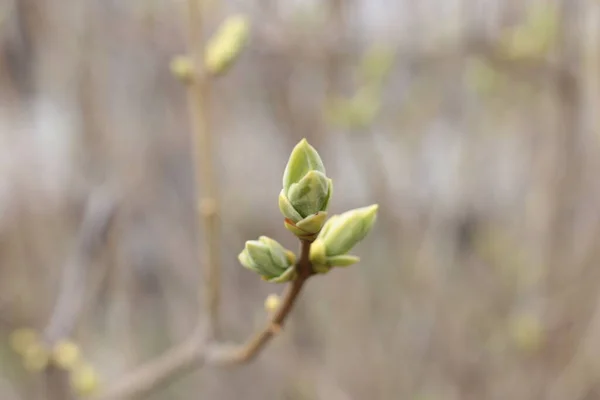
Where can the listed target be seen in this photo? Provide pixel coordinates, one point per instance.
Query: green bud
(339, 235)
(310, 195)
(226, 45)
(269, 259)
(304, 199)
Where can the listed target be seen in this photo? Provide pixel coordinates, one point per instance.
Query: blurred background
(472, 123)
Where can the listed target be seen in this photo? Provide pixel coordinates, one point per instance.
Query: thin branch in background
(97, 220)
(197, 351)
(99, 214)
(208, 204)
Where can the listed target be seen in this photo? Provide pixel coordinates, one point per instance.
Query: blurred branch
(198, 350)
(208, 206)
(99, 214)
(278, 42)
(97, 220)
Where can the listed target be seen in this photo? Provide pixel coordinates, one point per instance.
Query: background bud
(36, 357)
(182, 67)
(226, 45)
(272, 302)
(21, 339)
(66, 354)
(84, 380)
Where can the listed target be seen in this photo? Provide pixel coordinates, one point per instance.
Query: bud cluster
(303, 201)
(65, 355)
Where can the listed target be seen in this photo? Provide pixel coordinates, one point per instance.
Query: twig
(208, 206)
(98, 216)
(252, 347)
(99, 213)
(198, 351)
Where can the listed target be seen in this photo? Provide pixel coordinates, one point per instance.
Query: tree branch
(208, 204)
(99, 214)
(198, 350)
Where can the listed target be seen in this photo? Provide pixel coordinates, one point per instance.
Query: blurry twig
(198, 350)
(99, 214)
(208, 206)
(201, 347)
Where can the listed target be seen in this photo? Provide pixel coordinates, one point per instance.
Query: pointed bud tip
(372, 209)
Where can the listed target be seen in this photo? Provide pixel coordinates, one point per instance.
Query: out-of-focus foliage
(360, 110)
(527, 332)
(536, 36)
(376, 64)
(484, 78)
(356, 112)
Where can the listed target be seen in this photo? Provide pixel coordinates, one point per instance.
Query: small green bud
(66, 354)
(304, 199)
(84, 380)
(339, 235)
(226, 45)
(269, 259)
(36, 357)
(182, 67)
(23, 338)
(272, 302)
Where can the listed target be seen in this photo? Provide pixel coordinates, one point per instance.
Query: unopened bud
(84, 380)
(306, 192)
(182, 67)
(269, 259)
(21, 339)
(66, 354)
(36, 358)
(339, 235)
(224, 48)
(272, 302)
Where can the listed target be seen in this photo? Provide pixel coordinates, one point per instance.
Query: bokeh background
(472, 123)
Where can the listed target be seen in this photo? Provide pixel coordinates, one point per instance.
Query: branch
(98, 216)
(208, 205)
(198, 351)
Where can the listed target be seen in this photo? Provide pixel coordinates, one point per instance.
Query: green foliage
(357, 112)
(360, 110)
(527, 332)
(376, 64)
(484, 78)
(536, 37)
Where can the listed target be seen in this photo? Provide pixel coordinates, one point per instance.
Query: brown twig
(98, 216)
(99, 213)
(208, 205)
(198, 351)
